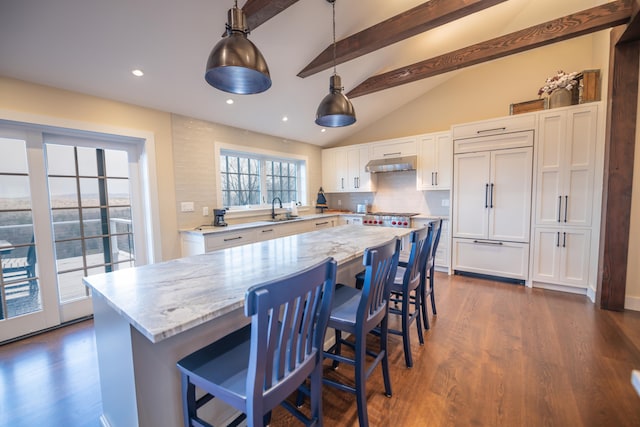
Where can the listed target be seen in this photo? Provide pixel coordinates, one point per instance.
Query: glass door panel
(19, 283)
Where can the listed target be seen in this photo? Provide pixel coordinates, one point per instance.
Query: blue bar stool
(407, 287)
(358, 312)
(257, 367)
(428, 290)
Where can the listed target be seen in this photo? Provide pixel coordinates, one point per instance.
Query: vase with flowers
(560, 89)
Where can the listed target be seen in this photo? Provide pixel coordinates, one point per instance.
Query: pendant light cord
(334, 36)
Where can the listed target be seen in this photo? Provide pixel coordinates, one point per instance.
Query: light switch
(445, 202)
(205, 211)
(186, 207)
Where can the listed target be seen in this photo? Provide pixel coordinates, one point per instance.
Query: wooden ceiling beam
(260, 11)
(577, 24)
(414, 21)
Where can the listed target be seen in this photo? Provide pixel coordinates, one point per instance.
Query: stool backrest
(381, 264)
(421, 240)
(436, 239)
(289, 319)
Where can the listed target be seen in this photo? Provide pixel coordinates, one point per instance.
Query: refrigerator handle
(486, 195)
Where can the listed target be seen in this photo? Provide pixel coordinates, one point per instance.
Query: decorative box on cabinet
(435, 158)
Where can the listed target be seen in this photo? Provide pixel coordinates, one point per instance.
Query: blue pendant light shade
(235, 64)
(335, 110)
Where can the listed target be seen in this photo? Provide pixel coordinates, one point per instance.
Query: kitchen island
(147, 318)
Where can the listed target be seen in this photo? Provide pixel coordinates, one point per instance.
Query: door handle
(392, 154)
(559, 207)
(233, 238)
(436, 178)
(566, 203)
(502, 129)
(557, 239)
(485, 242)
(564, 239)
(355, 182)
(267, 231)
(491, 197)
(486, 195)
(342, 182)
(432, 179)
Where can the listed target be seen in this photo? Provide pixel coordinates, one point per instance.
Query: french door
(70, 207)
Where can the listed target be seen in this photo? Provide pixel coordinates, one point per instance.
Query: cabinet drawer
(493, 142)
(229, 240)
(495, 127)
(393, 149)
(502, 259)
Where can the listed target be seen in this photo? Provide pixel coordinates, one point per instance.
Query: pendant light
(335, 110)
(235, 64)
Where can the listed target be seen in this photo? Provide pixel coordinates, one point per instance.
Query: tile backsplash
(395, 192)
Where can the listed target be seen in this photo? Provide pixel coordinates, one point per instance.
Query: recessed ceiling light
(323, 130)
(137, 72)
(229, 101)
(285, 118)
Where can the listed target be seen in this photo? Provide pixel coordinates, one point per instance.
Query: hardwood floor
(496, 355)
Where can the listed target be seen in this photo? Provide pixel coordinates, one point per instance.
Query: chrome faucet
(273, 209)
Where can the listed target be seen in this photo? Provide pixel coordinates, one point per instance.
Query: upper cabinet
(394, 148)
(566, 167)
(435, 159)
(343, 169)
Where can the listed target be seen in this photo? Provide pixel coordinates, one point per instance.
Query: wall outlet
(205, 211)
(339, 202)
(445, 202)
(186, 207)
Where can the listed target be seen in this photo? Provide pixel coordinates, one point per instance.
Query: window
(254, 179)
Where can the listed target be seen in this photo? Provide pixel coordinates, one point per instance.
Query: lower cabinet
(561, 256)
(321, 223)
(502, 259)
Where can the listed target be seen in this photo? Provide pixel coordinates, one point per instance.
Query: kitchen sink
(284, 219)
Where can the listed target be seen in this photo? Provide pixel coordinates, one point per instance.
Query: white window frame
(222, 148)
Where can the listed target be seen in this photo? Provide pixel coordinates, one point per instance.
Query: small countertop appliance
(218, 218)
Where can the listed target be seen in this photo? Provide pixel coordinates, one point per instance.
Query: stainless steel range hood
(393, 164)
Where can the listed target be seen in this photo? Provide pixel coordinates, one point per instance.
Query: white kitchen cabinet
(357, 179)
(343, 170)
(566, 152)
(492, 195)
(435, 160)
(318, 224)
(394, 148)
(561, 256)
(492, 187)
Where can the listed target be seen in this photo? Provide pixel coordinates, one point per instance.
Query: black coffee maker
(218, 218)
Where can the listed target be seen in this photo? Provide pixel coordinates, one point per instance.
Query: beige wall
(36, 100)
(485, 91)
(195, 176)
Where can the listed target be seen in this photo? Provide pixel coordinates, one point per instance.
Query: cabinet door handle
(564, 239)
(392, 154)
(557, 239)
(485, 242)
(267, 231)
(502, 129)
(355, 182)
(322, 223)
(486, 196)
(432, 178)
(559, 207)
(436, 178)
(342, 182)
(491, 197)
(566, 204)
(233, 238)
(358, 182)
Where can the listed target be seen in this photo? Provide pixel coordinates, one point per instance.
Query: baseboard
(562, 288)
(632, 303)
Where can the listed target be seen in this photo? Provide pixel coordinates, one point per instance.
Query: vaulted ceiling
(388, 52)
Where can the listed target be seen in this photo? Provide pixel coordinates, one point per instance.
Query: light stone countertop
(209, 229)
(161, 300)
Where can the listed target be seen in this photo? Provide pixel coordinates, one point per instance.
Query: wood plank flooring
(496, 355)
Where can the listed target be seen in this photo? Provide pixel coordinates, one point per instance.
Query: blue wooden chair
(257, 367)
(428, 289)
(406, 289)
(21, 270)
(358, 312)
